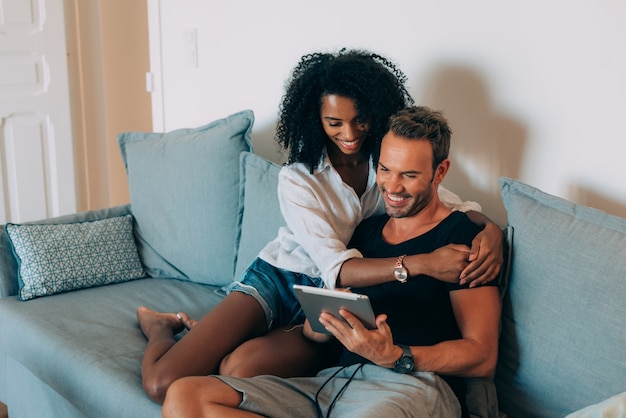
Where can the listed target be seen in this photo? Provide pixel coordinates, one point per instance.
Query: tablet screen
(316, 300)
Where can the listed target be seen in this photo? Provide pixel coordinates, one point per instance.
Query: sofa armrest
(8, 264)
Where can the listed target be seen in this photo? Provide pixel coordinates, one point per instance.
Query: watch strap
(399, 261)
(405, 364)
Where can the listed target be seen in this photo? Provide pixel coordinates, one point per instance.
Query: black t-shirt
(419, 311)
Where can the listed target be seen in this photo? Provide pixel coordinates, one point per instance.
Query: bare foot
(151, 321)
(186, 320)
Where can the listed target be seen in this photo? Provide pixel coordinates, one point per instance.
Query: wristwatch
(405, 363)
(399, 271)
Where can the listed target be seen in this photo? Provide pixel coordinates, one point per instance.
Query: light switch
(150, 82)
(190, 47)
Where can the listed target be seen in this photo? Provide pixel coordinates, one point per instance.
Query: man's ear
(441, 171)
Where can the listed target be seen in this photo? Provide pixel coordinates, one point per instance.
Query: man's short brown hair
(421, 122)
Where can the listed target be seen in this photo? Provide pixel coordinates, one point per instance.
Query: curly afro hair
(373, 82)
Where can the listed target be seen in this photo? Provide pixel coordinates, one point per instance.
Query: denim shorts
(272, 287)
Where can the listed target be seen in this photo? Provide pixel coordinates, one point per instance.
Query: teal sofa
(202, 205)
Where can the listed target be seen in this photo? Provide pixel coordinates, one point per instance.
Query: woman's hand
(445, 263)
(485, 256)
(317, 337)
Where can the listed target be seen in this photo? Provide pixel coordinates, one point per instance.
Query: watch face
(400, 274)
(405, 365)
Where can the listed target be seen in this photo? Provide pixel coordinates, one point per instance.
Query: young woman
(332, 118)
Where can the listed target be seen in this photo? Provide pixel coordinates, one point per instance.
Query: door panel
(36, 153)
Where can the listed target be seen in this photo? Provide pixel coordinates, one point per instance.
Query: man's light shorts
(374, 391)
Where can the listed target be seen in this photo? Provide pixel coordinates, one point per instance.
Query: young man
(429, 335)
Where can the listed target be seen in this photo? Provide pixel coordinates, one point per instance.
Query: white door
(36, 153)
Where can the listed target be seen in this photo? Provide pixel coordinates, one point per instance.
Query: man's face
(405, 175)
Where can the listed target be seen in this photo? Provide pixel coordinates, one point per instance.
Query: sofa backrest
(184, 191)
(259, 210)
(196, 194)
(564, 316)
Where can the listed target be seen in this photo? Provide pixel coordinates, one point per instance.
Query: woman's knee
(156, 387)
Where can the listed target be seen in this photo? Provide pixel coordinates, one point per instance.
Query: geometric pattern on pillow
(62, 257)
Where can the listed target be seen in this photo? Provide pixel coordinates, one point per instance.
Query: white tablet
(315, 300)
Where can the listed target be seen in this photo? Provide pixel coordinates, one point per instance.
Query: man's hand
(485, 256)
(375, 345)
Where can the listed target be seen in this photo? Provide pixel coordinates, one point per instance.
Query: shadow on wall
(265, 145)
(485, 143)
(590, 197)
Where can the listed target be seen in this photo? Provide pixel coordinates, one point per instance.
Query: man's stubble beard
(419, 202)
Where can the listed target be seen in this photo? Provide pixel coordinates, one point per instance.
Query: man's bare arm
(477, 312)
(473, 355)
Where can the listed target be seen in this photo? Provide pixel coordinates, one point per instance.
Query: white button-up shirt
(321, 213)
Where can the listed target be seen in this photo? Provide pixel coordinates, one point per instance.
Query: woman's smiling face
(341, 123)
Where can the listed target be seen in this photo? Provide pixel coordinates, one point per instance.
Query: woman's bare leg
(205, 396)
(284, 352)
(236, 319)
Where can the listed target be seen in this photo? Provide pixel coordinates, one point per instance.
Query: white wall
(534, 90)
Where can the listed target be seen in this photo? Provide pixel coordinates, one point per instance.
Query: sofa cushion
(9, 285)
(613, 407)
(563, 339)
(87, 346)
(259, 211)
(184, 191)
(62, 257)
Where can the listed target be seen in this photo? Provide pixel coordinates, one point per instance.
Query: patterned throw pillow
(63, 257)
